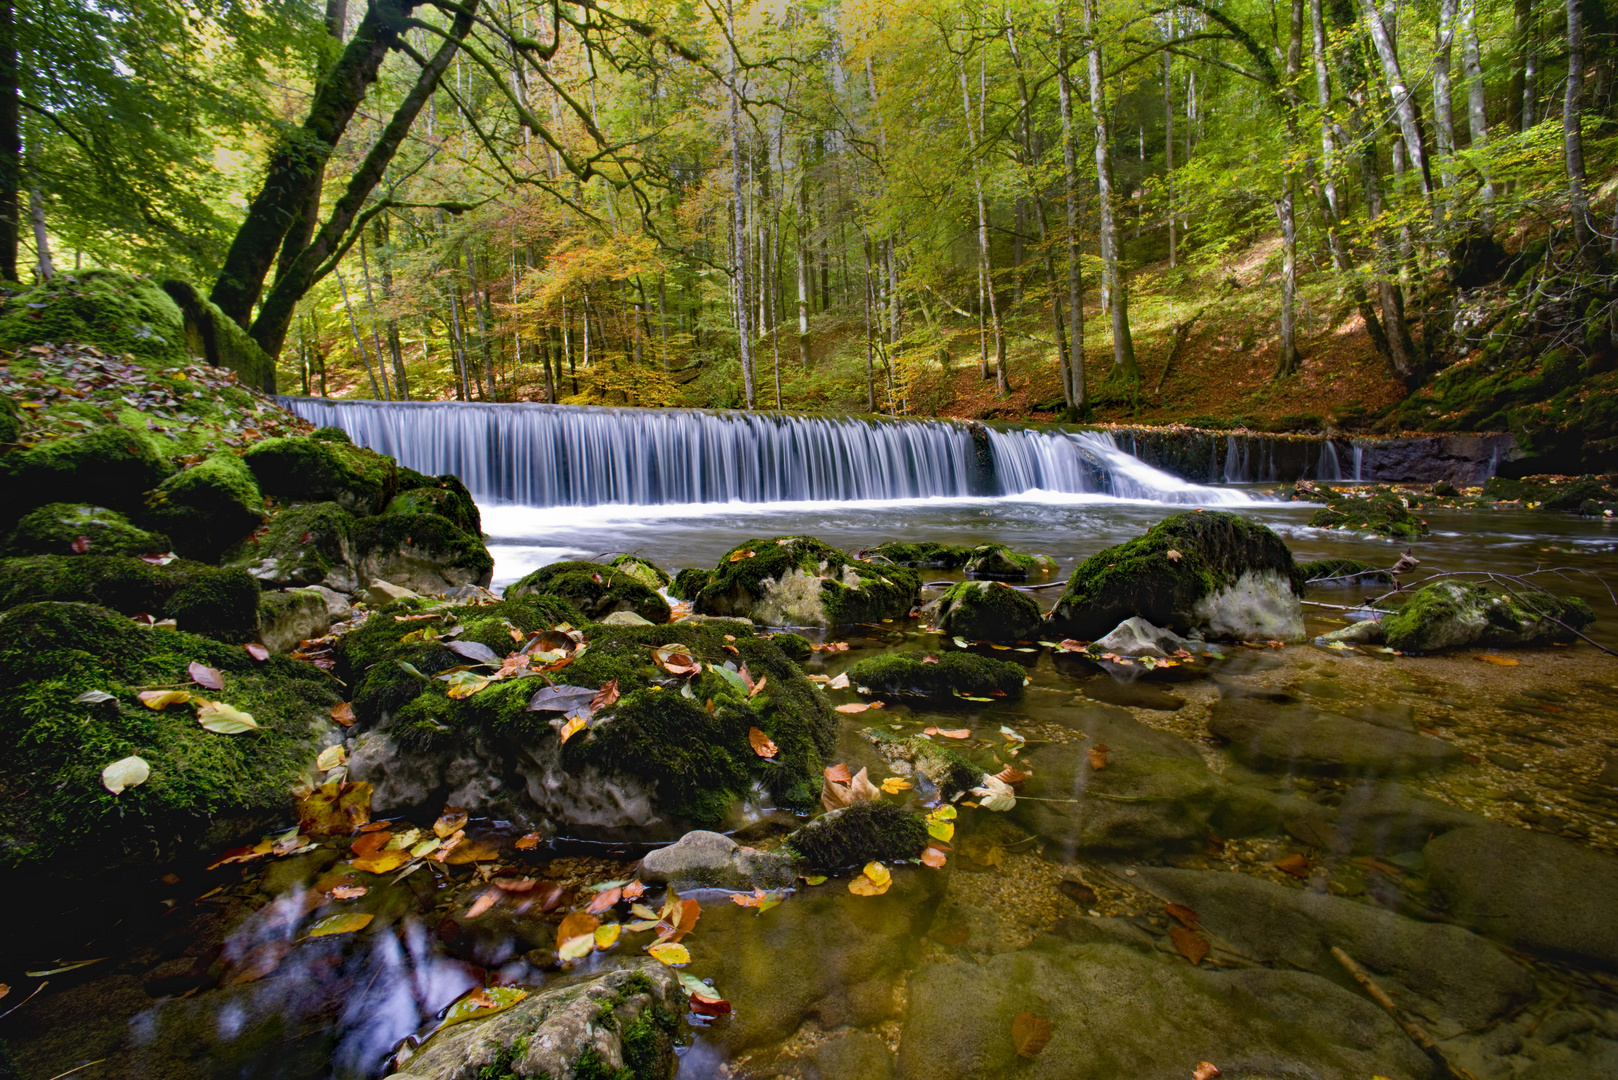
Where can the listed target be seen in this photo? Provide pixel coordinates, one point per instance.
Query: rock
(111, 466)
(710, 860)
(1000, 562)
(795, 646)
(617, 1023)
(287, 618)
(950, 674)
(988, 611)
(1364, 632)
(1209, 571)
(120, 312)
(1381, 818)
(64, 528)
(858, 834)
(1137, 694)
(641, 570)
(1450, 614)
(1300, 740)
(936, 768)
(305, 544)
(1430, 968)
(597, 589)
(1380, 512)
(207, 508)
(443, 495)
(847, 1054)
(381, 593)
(799, 581)
(338, 607)
(1116, 1011)
(1137, 637)
(300, 469)
(689, 582)
(625, 618)
(1528, 890)
(220, 603)
(919, 556)
(1342, 574)
(421, 552)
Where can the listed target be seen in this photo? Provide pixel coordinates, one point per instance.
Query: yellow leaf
(125, 773)
(224, 719)
(1502, 661)
(381, 862)
(607, 935)
(895, 784)
(162, 699)
(573, 727)
(873, 881)
(331, 757)
(345, 923)
(670, 953)
(453, 819)
(941, 830)
(576, 947)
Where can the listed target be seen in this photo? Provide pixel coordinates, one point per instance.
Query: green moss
(208, 507)
(924, 555)
(377, 539)
(688, 583)
(443, 495)
(641, 570)
(202, 599)
(794, 646)
(1141, 577)
(319, 470)
(954, 673)
(945, 768)
(597, 589)
(204, 790)
(858, 834)
(333, 435)
(813, 583)
(110, 466)
(989, 611)
(1000, 562)
(308, 544)
(116, 311)
(220, 603)
(213, 335)
(55, 528)
(10, 420)
(1450, 613)
(648, 1043)
(503, 1066)
(1382, 512)
(1343, 573)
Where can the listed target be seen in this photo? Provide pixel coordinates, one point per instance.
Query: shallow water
(1057, 907)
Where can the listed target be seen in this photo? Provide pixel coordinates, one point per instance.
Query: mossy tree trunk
(10, 144)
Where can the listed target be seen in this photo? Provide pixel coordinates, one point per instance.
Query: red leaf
(206, 677)
(604, 900)
(80, 545)
(257, 651)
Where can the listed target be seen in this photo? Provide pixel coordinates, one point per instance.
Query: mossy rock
(799, 581)
(989, 611)
(1451, 614)
(999, 562)
(443, 495)
(948, 771)
(921, 555)
(116, 311)
(642, 570)
(1198, 570)
(952, 674)
(288, 617)
(301, 469)
(335, 435)
(858, 834)
(689, 583)
(208, 507)
(306, 544)
(10, 420)
(221, 603)
(425, 553)
(205, 789)
(1342, 573)
(1383, 512)
(795, 646)
(213, 335)
(596, 589)
(111, 466)
(56, 528)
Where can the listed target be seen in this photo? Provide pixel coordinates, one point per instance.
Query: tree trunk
(739, 224)
(1168, 140)
(370, 308)
(1075, 268)
(359, 343)
(486, 380)
(42, 241)
(1477, 114)
(1520, 91)
(1404, 102)
(1443, 113)
(10, 144)
(986, 263)
(800, 233)
(385, 259)
(870, 365)
(1287, 362)
(1123, 346)
(1578, 198)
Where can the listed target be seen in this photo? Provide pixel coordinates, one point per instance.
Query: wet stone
(1505, 761)
(1132, 695)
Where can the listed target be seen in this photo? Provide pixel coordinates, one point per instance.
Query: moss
(858, 834)
(319, 470)
(989, 611)
(201, 599)
(333, 435)
(503, 1066)
(1448, 613)
(10, 420)
(946, 768)
(1141, 577)
(688, 583)
(205, 789)
(208, 507)
(309, 544)
(1343, 572)
(213, 335)
(380, 541)
(648, 1043)
(794, 647)
(844, 590)
(220, 603)
(641, 570)
(1000, 562)
(443, 495)
(954, 673)
(117, 311)
(923, 555)
(108, 466)
(597, 589)
(1382, 512)
(55, 528)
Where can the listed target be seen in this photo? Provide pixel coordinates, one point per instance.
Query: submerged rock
(1208, 571)
(78, 529)
(1452, 614)
(951, 674)
(799, 581)
(945, 770)
(857, 834)
(1364, 632)
(999, 562)
(710, 860)
(1299, 740)
(989, 611)
(923, 555)
(597, 589)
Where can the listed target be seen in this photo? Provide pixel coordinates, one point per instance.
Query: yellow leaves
(895, 784)
(1497, 660)
(760, 742)
(573, 727)
(463, 684)
(335, 808)
(576, 936)
(874, 880)
(670, 953)
(761, 900)
(451, 821)
(738, 556)
(158, 700)
(224, 719)
(528, 841)
(331, 757)
(606, 935)
(382, 862)
(345, 923)
(124, 774)
(343, 713)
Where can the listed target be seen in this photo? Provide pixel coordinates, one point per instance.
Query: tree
(1123, 346)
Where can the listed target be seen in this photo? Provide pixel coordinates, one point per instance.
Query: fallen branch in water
(1417, 1033)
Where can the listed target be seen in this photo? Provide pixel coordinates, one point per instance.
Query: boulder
(989, 611)
(302, 469)
(641, 570)
(117, 311)
(710, 860)
(202, 599)
(1452, 614)
(421, 552)
(794, 646)
(77, 529)
(1378, 818)
(689, 582)
(1297, 739)
(858, 834)
(919, 556)
(305, 544)
(626, 618)
(1381, 512)
(1209, 571)
(443, 495)
(338, 606)
(289, 617)
(1137, 637)
(799, 581)
(208, 507)
(620, 1023)
(381, 593)
(999, 562)
(1364, 632)
(937, 769)
(950, 674)
(110, 465)
(596, 589)
(1342, 574)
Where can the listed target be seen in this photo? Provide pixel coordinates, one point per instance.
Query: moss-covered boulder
(857, 834)
(999, 562)
(799, 581)
(922, 555)
(111, 466)
(642, 570)
(204, 789)
(1210, 571)
(1342, 573)
(117, 311)
(291, 616)
(795, 647)
(690, 582)
(1452, 614)
(989, 611)
(424, 553)
(307, 544)
(10, 420)
(938, 769)
(952, 674)
(301, 469)
(597, 589)
(207, 508)
(672, 751)
(1382, 512)
(77, 529)
(443, 495)
(221, 603)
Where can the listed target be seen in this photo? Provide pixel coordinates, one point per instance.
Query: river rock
(710, 860)
(202, 599)
(288, 617)
(1364, 632)
(338, 606)
(78, 529)
(305, 544)
(1299, 740)
(988, 611)
(944, 675)
(1209, 571)
(1430, 968)
(1000, 562)
(645, 571)
(309, 469)
(1137, 637)
(1529, 890)
(624, 1019)
(799, 581)
(207, 508)
(599, 590)
(425, 553)
(1451, 614)
(381, 593)
(1378, 818)
(625, 618)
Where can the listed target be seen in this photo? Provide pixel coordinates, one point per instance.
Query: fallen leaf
(815, 879)
(225, 719)
(838, 774)
(573, 727)
(124, 774)
(604, 900)
(528, 841)
(934, 857)
(161, 699)
(1207, 1070)
(451, 821)
(634, 890)
(331, 757)
(670, 953)
(1501, 661)
(474, 650)
(80, 545)
(839, 682)
(995, 794)
(257, 962)
(895, 784)
(1173, 556)
(335, 808)
(940, 829)
(1183, 915)
(1009, 775)
(1098, 756)
(1296, 865)
(761, 744)
(482, 1001)
(949, 733)
(874, 880)
(463, 684)
(93, 697)
(760, 899)
(1190, 944)
(345, 923)
(576, 924)
(853, 707)
(370, 843)
(607, 695)
(486, 900)
(205, 677)
(343, 713)
(738, 556)
(577, 947)
(676, 660)
(1030, 1034)
(382, 862)
(762, 679)
(859, 789)
(606, 935)
(469, 851)
(348, 892)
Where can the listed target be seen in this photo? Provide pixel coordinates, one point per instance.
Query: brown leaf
(258, 962)
(1183, 915)
(486, 900)
(1296, 865)
(516, 884)
(1098, 756)
(950, 733)
(1030, 1034)
(471, 851)
(348, 892)
(703, 1005)
(934, 856)
(575, 925)
(528, 841)
(1011, 776)
(1173, 556)
(853, 707)
(605, 696)
(452, 820)
(604, 900)
(834, 796)
(634, 890)
(762, 679)
(762, 746)
(206, 677)
(838, 774)
(1205, 1070)
(1190, 944)
(343, 713)
(370, 842)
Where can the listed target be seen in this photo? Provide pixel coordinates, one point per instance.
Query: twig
(1417, 1033)
(76, 1068)
(25, 1000)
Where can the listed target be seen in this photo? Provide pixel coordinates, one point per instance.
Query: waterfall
(572, 455)
(1330, 468)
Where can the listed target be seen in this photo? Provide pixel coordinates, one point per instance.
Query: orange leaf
(451, 821)
(933, 857)
(343, 713)
(605, 696)
(1183, 915)
(633, 890)
(382, 862)
(1098, 756)
(1296, 865)
(371, 842)
(950, 733)
(577, 924)
(528, 841)
(1205, 1070)
(1502, 661)
(1030, 1034)
(853, 707)
(762, 746)
(743, 900)
(838, 774)
(483, 903)
(738, 556)
(604, 900)
(1190, 944)
(348, 892)
(1011, 776)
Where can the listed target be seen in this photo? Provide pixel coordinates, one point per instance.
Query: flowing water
(1481, 895)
